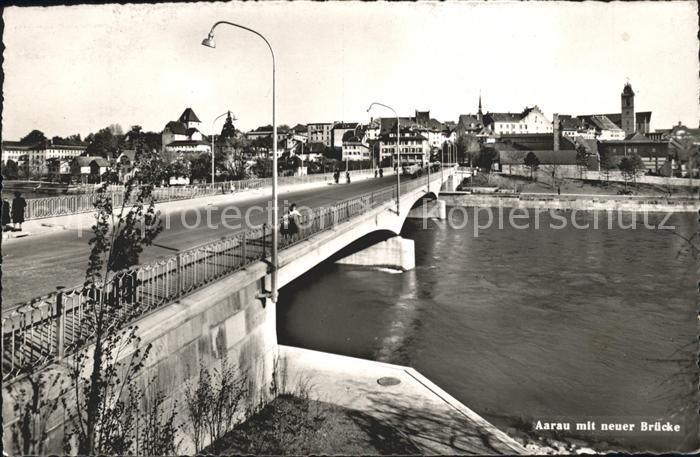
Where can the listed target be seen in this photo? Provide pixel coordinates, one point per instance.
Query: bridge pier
(430, 209)
(398, 253)
(450, 184)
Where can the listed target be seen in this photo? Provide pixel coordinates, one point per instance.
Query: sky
(77, 69)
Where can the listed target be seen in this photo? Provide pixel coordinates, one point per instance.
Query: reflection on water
(524, 324)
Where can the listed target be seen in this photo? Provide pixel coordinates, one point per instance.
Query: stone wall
(224, 319)
(602, 203)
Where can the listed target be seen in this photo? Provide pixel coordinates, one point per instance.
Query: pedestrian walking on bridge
(347, 176)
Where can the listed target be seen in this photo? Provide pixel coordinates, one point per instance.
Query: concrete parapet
(225, 319)
(573, 202)
(396, 252)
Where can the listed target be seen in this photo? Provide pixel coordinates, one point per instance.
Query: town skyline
(324, 77)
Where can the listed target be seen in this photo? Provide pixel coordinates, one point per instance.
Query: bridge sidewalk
(435, 421)
(83, 221)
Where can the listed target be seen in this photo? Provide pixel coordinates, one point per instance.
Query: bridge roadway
(35, 266)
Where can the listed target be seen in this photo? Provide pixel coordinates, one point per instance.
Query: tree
(104, 143)
(262, 168)
(105, 415)
(228, 131)
(607, 164)
(582, 156)
(177, 169)
(230, 157)
(33, 137)
(630, 167)
(486, 159)
(200, 167)
(10, 170)
(468, 147)
(532, 162)
(71, 140)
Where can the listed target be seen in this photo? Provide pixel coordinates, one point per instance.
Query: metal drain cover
(388, 381)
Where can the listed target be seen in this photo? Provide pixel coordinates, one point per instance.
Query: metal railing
(64, 205)
(46, 329)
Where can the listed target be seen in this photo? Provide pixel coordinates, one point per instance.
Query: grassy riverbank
(576, 186)
(300, 426)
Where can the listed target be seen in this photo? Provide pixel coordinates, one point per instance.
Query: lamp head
(209, 41)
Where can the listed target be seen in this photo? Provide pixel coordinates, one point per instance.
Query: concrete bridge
(219, 306)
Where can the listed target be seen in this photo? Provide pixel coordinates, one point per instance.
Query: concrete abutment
(397, 253)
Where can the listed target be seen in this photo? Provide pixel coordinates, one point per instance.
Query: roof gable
(188, 116)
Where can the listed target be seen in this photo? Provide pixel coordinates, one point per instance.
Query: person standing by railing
(5, 215)
(18, 206)
(290, 222)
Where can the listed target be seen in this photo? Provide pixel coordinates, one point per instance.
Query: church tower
(480, 114)
(627, 120)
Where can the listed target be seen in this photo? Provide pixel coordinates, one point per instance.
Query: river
(542, 324)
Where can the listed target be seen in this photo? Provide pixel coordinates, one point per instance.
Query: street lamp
(209, 42)
(213, 144)
(398, 153)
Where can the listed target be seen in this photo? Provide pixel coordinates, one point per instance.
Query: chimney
(555, 131)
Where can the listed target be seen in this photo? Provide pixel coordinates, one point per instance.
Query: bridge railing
(64, 205)
(46, 329)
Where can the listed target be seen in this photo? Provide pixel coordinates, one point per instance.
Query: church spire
(479, 102)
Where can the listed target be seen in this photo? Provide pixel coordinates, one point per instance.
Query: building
(183, 138)
(572, 127)
(413, 147)
(40, 158)
(264, 131)
(530, 120)
(653, 153)
(627, 119)
(605, 129)
(469, 124)
(355, 150)
(320, 132)
(63, 151)
(15, 151)
(339, 129)
(89, 169)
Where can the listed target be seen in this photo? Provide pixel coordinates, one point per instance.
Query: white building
(355, 150)
(413, 147)
(320, 132)
(531, 120)
(183, 136)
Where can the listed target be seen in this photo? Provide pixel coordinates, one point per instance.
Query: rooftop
(188, 116)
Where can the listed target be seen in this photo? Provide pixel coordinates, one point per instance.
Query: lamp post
(398, 154)
(442, 161)
(209, 42)
(213, 144)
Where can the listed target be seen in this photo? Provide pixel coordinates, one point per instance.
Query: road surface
(34, 267)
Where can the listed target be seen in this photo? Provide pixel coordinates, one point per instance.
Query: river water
(562, 325)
